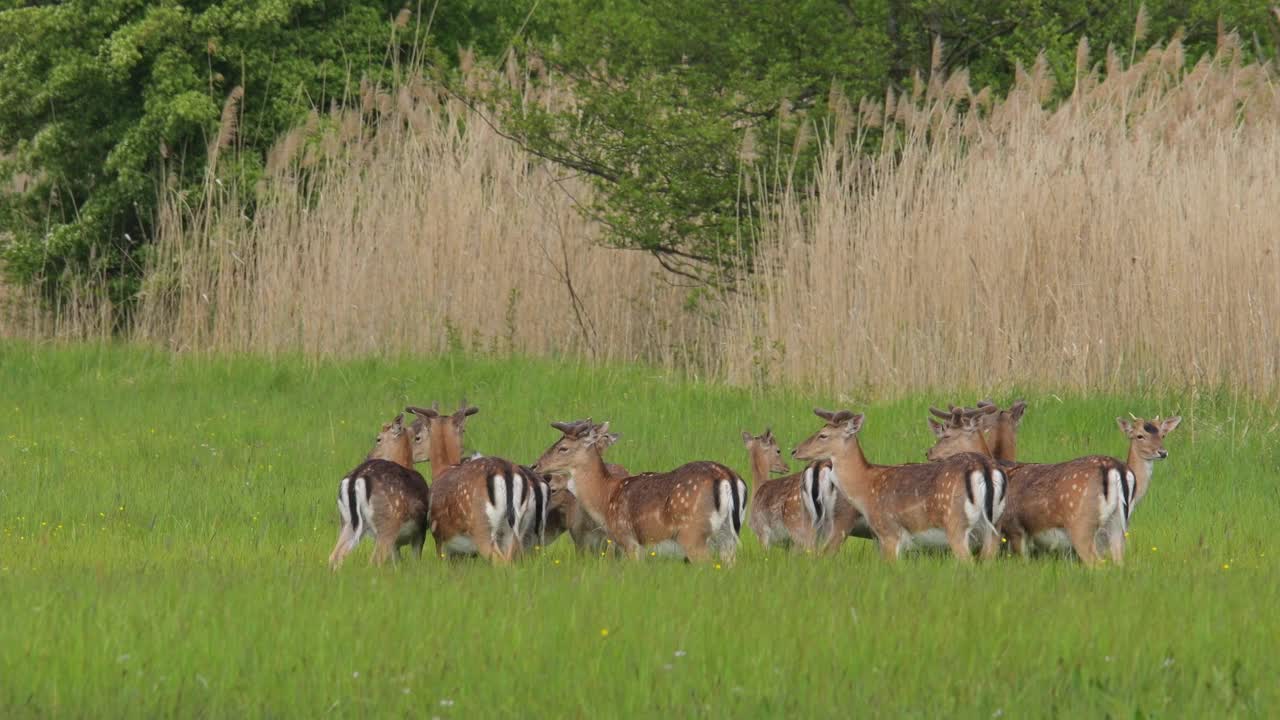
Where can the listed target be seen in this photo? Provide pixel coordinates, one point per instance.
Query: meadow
(165, 520)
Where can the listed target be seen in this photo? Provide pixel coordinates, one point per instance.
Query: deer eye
(564, 449)
(1141, 437)
(778, 450)
(823, 436)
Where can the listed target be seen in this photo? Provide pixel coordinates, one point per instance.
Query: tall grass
(1122, 237)
(407, 224)
(1125, 236)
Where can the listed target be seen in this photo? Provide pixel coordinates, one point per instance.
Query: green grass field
(165, 522)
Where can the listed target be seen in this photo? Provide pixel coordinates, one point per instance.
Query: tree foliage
(103, 102)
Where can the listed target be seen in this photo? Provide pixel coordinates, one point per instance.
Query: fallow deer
(693, 510)
(567, 514)
(794, 510)
(383, 498)
(918, 504)
(479, 508)
(1070, 505)
(533, 531)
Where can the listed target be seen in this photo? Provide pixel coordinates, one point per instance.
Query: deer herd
(972, 496)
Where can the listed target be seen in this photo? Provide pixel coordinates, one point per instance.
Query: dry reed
(1125, 238)
(407, 225)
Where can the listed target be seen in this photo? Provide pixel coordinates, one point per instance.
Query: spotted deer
(438, 438)
(1074, 505)
(383, 498)
(566, 513)
(929, 504)
(480, 507)
(795, 510)
(694, 510)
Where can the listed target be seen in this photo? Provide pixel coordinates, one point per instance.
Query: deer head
(837, 435)
(392, 443)
(764, 451)
(579, 441)
(1146, 437)
(961, 433)
(437, 436)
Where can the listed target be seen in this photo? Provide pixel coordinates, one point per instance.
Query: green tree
(104, 101)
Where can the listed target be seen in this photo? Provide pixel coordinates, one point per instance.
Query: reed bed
(1123, 237)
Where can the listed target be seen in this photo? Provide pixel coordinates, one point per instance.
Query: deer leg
(340, 550)
(1084, 538)
(890, 545)
(958, 539)
(419, 539)
(1115, 541)
(990, 544)
(382, 549)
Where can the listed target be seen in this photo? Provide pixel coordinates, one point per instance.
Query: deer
(1074, 505)
(927, 504)
(483, 506)
(438, 438)
(383, 498)
(567, 514)
(794, 510)
(1146, 446)
(693, 510)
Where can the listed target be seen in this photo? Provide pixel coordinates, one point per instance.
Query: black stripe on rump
(737, 505)
(815, 475)
(351, 504)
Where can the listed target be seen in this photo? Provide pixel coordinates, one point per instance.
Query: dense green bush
(104, 101)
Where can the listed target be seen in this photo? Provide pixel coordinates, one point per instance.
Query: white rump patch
(973, 511)
(720, 518)
(496, 511)
(1115, 502)
(367, 526)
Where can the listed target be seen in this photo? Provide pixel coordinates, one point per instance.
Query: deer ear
(853, 424)
(422, 412)
(768, 434)
(937, 428)
(940, 413)
(1167, 425)
(399, 421)
(1125, 426)
(1016, 410)
(747, 437)
(824, 414)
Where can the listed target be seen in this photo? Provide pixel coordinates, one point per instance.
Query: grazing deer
(383, 498)
(693, 510)
(438, 438)
(920, 504)
(795, 510)
(1069, 505)
(567, 514)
